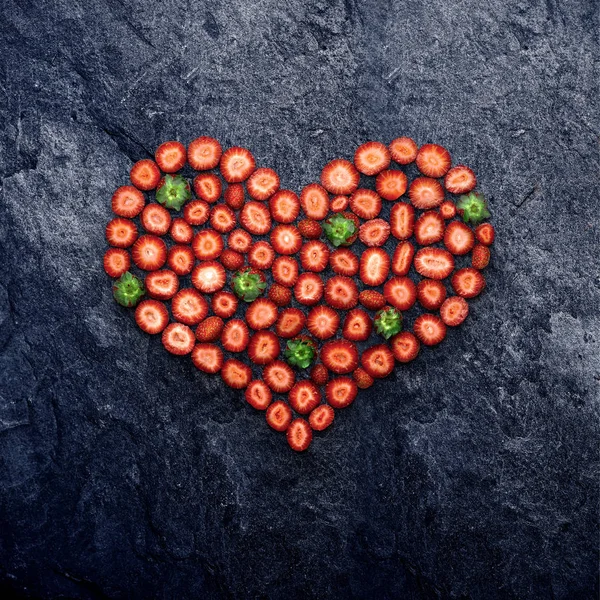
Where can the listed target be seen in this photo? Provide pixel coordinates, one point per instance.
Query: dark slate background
(472, 473)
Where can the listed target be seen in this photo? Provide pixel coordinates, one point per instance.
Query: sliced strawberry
(121, 233)
(371, 299)
(378, 361)
(374, 232)
(405, 346)
(402, 259)
(433, 160)
(459, 238)
(196, 212)
(339, 356)
(210, 329)
(189, 307)
(362, 378)
(460, 180)
(374, 266)
(290, 323)
(319, 374)
(299, 435)
(161, 285)
(209, 276)
(263, 347)
(207, 244)
(480, 257)
(372, 158)
(151, 316)
(485, 234)
(222, 218)
(256, 218)
(208, 358)
(321, 417)
(286, 239)
(236, 374)
(402, 220)
(454, 311)
(391, 184)
(339, 204)
(149, 253)
(340, 177)
(425, 193)
(279, 416)
(357, 325)
(284, 206)
(208, 187)
(170, 156)
(224, 304)
(232, 260)
(261, 255)
(447, 210)
(144, 174)
(279, 376)
(156, 219)
(310, 229)
(314, 200)
(341, 292)
(261, 313)
(341, 392)
(262, 184)
(366, 204)
(400, 292)
(258, 395)
(237, 164)
(181, 232)
(116, 262)
(234, 196)
(344, 262)
(323, 322)
(403, 150)
(178, 339)
(285, 270)
(468, 282)
(429, 228)
(314, 256)
(308, 289)
(430, 329)
(434, 263)
(127, 201)
(431, 293)
(204, 153)
(239, 240)
(235, 336)
(304, 397)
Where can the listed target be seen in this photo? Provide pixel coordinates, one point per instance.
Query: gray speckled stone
(471, 473)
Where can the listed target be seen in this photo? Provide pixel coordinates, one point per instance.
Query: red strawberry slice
(304, 397)
(204, 153)
(405, 346)
(156, 219)
(151, 316)
(285, 270)
(480, 257)
(262, 184)
(402, 220)
(208, 358)
(341, 292)
(235, 336)
(323, 322)
(127, 201)
(339, 356)
(468, 282)
(196, 212)
(256, 218)
(149, 253)
(319, 374)
(485, 234)
(284, 206)
(434, 263)
(145, 174)
(433, 160)
(374, 266)
(429, 228)
(344, 262)
(340, 177)
(161, 285)
(237, 164)
(261, 255)
(378, 361)
(357, 326)
(286, 239)
(308, 289)
(402, 259)
(207, 244)
(310, 229)
(236, 374)
(400, 292)
(263, 347)
(239, 240)
(209, 277)
(210, 329)
(261, 313)
(314, 200)
(189, 307)
(314, 256)
(232, 260)
(121, 233)
(371, 299)
(321, 417)
(391, 184)
(341, 392)
(181, 232)
(258, 395)
(170, 156)
(454, 311)
(339, 204)
(234, 196)
(430, 329)
(279, 416)
(290, 322)
(116, 262)
(374, 232)
(425, 193)
(224, 304)
(460, 180)
(178, 339)
(279, 376)
(208, 187)
(403, 150)
(372, 158)
(431, 293)
(222, 218)
(365, 204)
(459, 238)
(447, 210)
(299, 435)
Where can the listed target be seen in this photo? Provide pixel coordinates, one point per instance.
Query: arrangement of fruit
(300, 301)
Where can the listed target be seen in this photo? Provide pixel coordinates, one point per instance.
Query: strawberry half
(374, 266)
(308, 289)
(285, 270)
(374, 232)
(256, 218)
(314, 256)
(485, 234)
(429, 228)
(161, 285)
(207, 244)
(210, 329)
(304, 397)
(340, 177)
(430, 329)
(149, 253)
(178, 339)
(434, 263)
(116, 262)
(189, 307)
(232, 260)
(371, 299)
(314, 200)
(262, 184)
(234, 196)
(372, 158)
(204, 153)
(121, 233)
(319, 374)
(170, 156)
(378, 361)
(235, 336)
(145, 174)
(480, 257)
(460, 180)
(341, 292)
(209, 277)
(400, 292)
(357, 326)
(208, 187)
(261, 255)
(258, 395)
(402, 259)
(290, 322)
(362, 378)
(433, 160)
(224, 304)
(151, 316)
(286, 239)
(341, 392)
(156, 219)
(321, 417)
(284, 206)
(391, 184)
(181, 232)
(402, 220)
(127, 201)
(237, 164)
(365, 203)
(339, 356)
(344, 262)
(279, 376)
(405, 346)
(459, 238)
(468, 282)
(425, 193)
(261, 314)
(431, 293)
(236, 374)
(454, 311)
(299, 435)
(403, 150)
(310, 229)
(208, 358)
(279, 416)
(222, 218)
(323, 322)
(263, 347)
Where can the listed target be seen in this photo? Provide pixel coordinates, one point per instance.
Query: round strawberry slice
(314, 256)
(256, 218)
(196, 212)
(374, 232)
(365, 203)
(121, 233)
(156, 219)
(239, 240)
(210, 329)
(433, 160)
(308, 290)
(454, 311)
(371, 158)
(170, 156)
(357, 325)
(400, 292)
(262, 184)
(279, 416)
(304, 397)
(485, 234)
(340, 177)
(263, 347)
(429, 228)
(403, 150)
(374, 266)
(209, 277)
(402, 259)
(341, 392)
(285, 270)
(161, 285)
(341, 292)
(127, 201)
(339, 204)
(236, 374)
(321, 417)
(151, 316)
(391, 184)
(204, 153)
(279, 376)
(189, 307)
(224, 304)
(208, 187)
(434, 263)
(286, 239)
(314, 200)
(261, 255)
(405, 346)
(237, 164)
(460, 180)
(117, 262)
(235, 336)
(323, 322)
(178, 339)
(290, 322)
(430, 329)
(258, 395)
(378, 361)
(299, 435)
(468, 282)
(261, 314)
(459, 238)
(284, 206)
(207, 358)
(149, 253)
(344, 262)
(222, 218)
(145, 175)
(181, 232)
(426, 193)
(207, 245)
(319, 374)
(431, 293)
(339, 356)
(234, 196)
(447, 210)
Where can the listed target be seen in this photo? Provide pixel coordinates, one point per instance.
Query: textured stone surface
(473, 473)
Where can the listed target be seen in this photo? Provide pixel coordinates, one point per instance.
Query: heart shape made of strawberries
(300, 300)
